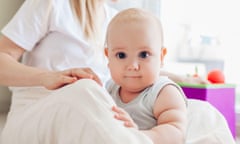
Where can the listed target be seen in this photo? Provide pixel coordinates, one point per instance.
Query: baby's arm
(122, 115)
(171, 114)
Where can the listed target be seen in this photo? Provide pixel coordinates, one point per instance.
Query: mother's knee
(85, 83)
(80, 87)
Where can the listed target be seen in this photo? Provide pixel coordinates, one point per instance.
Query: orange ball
(216, 76)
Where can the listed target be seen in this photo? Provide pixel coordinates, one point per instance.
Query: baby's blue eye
(143, 54)
(121, 55)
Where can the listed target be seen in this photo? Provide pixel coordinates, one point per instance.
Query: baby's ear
(163, 52)
(106, 51)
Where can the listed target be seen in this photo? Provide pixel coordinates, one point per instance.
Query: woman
(59, 42)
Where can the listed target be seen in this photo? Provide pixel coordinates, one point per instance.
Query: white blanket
(81, 114)
(207, 125)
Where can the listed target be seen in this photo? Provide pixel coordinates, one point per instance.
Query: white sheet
(207, 125)
(76, 114)
(80, 114)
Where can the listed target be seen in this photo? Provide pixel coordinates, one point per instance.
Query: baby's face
(134, 52)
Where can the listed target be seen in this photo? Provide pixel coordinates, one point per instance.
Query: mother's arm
(14, 73)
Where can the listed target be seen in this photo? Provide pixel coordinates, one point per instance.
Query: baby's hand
(122, 115)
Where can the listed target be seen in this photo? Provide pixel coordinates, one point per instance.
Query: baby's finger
(118, 110)
(121, 117)
(128, 124)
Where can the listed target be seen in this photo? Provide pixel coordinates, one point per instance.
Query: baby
(145, 100)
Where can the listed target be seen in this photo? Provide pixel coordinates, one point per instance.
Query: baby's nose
(133, 65)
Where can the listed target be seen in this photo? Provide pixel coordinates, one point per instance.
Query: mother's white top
(53, 40)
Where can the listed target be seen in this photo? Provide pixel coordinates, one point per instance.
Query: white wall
(219, 18)
(7, 10)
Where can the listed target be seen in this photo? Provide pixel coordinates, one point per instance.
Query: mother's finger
(85, 73)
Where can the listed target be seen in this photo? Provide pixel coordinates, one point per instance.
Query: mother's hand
(54, 80)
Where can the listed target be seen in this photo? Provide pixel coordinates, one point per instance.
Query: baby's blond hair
(135, 15)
